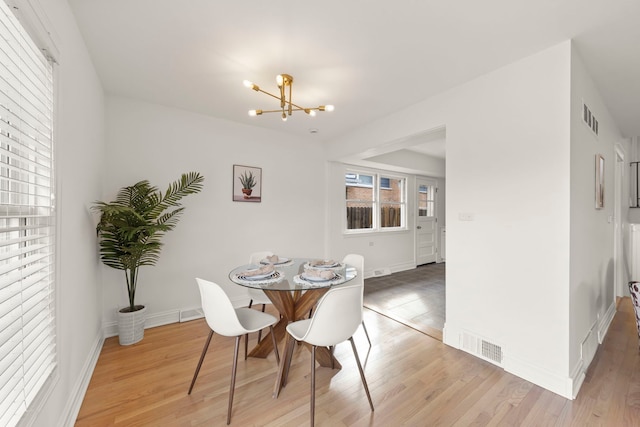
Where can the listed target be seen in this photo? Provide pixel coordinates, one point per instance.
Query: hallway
(415, 297)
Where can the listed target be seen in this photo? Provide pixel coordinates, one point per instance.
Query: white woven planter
(131, 326)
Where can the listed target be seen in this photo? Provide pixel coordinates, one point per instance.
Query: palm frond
(131, 227)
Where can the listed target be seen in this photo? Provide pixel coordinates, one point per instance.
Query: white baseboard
(110, 329)
(605, 322)
(72, 408)
(558, 384)
(578, 375)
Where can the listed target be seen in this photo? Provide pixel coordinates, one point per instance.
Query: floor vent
(482, 348)
(381, 272)
(193, 314)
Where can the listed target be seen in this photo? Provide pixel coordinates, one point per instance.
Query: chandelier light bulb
(287, 106)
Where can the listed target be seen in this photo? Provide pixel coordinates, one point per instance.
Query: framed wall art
(599, 181)
(247, 184)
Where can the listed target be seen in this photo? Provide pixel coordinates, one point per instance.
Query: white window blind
(27, 307)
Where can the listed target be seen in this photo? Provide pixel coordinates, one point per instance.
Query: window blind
(27, 221)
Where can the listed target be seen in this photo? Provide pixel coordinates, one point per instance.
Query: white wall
(508, 164)
(592, 292)
(392, 251)
(411, 162)
(79, 140)
(215, 234)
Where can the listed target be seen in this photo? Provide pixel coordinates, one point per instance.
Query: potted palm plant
(248, 181)
(130, 232)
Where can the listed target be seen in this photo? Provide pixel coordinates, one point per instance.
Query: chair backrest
(356, 261)
(336, 317)
(239, 295)
(256, 257)
(218, 310)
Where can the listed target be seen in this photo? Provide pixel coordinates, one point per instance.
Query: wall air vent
(381, 272)
(482, 348)
(589, 119)
(195, 313)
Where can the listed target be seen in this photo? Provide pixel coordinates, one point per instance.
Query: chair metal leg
(364, 381)
(233, 378)
(287, 359)
(313, 384)
(204, 352)
(260, 331)
(332, 349)
(366, 333)
(246, 345)
(275, 344)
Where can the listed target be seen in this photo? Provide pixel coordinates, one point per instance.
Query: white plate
(316, 279)
(256, 277)
(280, 261)
(334, 265)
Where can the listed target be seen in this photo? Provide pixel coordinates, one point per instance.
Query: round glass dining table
(293, 293)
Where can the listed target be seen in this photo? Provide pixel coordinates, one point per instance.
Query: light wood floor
(415, 380)
(414, 297)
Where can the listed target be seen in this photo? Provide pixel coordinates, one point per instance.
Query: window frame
(376, 202)
(33, 22)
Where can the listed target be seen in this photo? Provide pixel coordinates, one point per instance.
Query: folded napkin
(323, 274)
(322, 262)
(273, 259)
(265, 269)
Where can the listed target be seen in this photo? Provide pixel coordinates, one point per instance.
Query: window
(374, 207)
(27, 309)
(391, 202)
(360, 201)
(426, 200)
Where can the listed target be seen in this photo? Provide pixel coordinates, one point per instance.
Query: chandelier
(287, 107)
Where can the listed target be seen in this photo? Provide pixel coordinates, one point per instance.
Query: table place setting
(261, 275)
(313, 276)
(276, 260)
(323, 264)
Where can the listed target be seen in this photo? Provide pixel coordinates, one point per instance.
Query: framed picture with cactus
(247, 184)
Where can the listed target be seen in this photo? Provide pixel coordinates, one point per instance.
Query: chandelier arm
(287, 107)
(293, 109)
(270, 94)
(297, 106)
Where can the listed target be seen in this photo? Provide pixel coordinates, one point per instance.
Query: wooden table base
(292, 306)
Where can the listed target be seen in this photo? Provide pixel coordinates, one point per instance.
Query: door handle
(419, 227)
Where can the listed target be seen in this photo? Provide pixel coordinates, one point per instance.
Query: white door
(425, 221)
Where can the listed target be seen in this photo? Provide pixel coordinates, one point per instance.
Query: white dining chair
(357, 261)
(257, 295)
(336, 318)
(228, 321)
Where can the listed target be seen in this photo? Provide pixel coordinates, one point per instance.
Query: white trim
(72, 408)
(110, 329)
(578, 375)
(605, 322)
(561, 385)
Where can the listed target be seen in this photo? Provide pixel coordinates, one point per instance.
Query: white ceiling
(368, 58)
